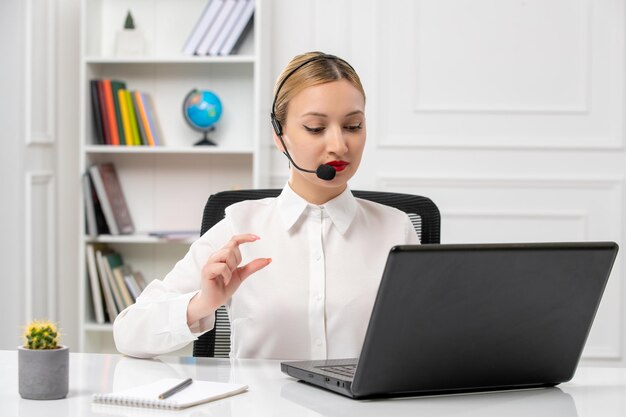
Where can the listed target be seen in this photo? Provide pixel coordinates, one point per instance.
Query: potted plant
(43, 364)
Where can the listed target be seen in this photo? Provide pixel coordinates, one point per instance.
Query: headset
(324, 171)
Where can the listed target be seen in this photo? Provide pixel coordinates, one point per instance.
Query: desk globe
(202, 109)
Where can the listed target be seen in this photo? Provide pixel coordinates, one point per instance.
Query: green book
(133, 118)
(115, 87)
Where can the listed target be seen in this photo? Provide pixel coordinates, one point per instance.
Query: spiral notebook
(198, 392)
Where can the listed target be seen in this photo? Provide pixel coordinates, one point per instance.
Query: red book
(104, 116)
(110, 112)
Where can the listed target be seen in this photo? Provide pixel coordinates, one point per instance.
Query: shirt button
(317, 256)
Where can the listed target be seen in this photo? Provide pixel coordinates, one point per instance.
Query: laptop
(472, 317)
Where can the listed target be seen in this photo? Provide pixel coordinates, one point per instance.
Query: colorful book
(153, 120)
(116, 86)
(110, 112)
(133, 118)
(96, 113)
(103, 113)
(140, 126)
(128, 135)
(143, 118)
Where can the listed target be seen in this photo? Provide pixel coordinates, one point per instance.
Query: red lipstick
(338, 165)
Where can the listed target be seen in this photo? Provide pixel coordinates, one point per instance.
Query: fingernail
(268, 260)
(256, 237)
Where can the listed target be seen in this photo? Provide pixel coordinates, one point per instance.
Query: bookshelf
(166, 187)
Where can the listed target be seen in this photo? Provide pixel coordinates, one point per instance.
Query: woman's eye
(314, 129)
(354, 127)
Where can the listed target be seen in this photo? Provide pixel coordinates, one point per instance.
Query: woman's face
(325, 125)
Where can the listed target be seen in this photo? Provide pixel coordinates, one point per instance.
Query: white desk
(592, 392)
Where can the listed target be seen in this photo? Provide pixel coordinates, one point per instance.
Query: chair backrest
(423, 213)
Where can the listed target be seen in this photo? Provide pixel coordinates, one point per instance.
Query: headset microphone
(324, 171)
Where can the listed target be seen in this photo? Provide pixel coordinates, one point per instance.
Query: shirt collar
(341, 209)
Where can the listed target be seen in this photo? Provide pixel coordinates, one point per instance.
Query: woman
(299, 272)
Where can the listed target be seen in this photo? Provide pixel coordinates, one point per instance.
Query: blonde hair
(307, 70)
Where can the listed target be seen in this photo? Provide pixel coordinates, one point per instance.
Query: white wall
(508, 114)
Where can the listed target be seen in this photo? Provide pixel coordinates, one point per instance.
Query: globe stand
(205, 141)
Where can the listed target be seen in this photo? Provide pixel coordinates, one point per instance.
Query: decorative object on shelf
(129, 41)
(202, 109)
(43, 363)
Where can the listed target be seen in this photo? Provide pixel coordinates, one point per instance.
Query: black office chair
(423, 213)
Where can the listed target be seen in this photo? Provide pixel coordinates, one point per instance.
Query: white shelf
(96, 327)
(228, 59)
(166, 187)
(138, 238)
(164, 150)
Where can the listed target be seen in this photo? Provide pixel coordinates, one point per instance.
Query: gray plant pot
(43, 374)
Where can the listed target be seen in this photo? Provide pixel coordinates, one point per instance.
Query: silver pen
(176, 389)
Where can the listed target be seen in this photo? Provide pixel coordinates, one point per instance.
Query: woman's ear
(277, 142)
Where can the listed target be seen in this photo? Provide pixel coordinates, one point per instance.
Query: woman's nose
(336, 141)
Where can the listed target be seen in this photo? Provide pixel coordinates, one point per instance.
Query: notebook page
(147, 395)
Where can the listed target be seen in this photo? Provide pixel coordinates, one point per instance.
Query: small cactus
(41, 335)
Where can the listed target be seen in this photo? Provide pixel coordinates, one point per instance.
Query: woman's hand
(221, 276)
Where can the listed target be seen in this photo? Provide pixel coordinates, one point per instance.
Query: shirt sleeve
(157, 322)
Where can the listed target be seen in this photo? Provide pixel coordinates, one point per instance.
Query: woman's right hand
(221, 276)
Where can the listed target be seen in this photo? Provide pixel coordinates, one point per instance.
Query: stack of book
(113, 285)
(123, 117)
(221, 28)
(105, 204)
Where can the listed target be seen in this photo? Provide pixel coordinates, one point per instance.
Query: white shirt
(312, 302)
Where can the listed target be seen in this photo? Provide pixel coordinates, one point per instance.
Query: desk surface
(592, 392)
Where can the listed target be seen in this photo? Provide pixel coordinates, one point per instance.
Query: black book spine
(97, 113)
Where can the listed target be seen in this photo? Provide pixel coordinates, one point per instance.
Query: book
(214, 28)
(143, 118)
(112, 200)
(94, 284)
(132, 116)
(96, 113)
(140, 126)
(109, 301)
(229, 24)
(101, 224)
(201, 27)
(132, 286)
(111, 261)
(115, 87)
(103, 113)
(128, 134)
(141, 281)
(153, 120)
(118, 273)
(111, 118)
(90, 211)
(242, 26)
(199, 392)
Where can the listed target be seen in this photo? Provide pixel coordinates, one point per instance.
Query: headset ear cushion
(277, 127)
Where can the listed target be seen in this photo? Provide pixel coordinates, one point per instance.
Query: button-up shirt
(312, 302)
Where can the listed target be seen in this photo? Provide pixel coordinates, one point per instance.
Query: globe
(202, 109)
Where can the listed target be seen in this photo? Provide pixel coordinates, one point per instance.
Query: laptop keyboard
(343, 370)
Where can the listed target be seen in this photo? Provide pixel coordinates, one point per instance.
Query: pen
(175, 389)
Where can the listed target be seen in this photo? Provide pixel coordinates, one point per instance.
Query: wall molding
(44, 181)
(46, 72)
